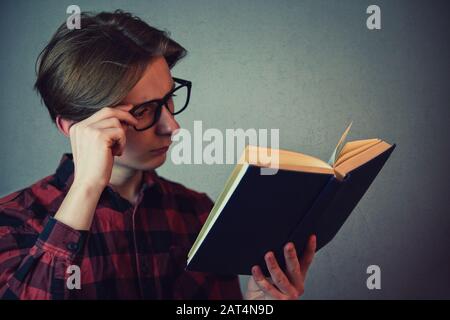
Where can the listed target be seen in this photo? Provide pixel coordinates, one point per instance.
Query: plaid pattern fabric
(130, 252)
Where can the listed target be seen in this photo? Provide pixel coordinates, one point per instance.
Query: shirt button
(72, 246)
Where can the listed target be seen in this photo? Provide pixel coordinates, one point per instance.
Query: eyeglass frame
(163, 102)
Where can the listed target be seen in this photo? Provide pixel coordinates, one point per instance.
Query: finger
(115, 139)
(308, 255)
(293, 266)
(124, 107)
(262, 282)
(110, 123)
(107, 112)
(278, 276)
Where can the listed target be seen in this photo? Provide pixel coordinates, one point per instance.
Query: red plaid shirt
(130, 252)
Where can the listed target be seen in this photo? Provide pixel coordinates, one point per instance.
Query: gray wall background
(307, 68)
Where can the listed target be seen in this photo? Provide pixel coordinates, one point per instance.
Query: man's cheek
(135, 149)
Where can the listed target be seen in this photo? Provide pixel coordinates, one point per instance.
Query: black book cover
(266, 211)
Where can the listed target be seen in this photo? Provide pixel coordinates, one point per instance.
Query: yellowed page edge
(286, 158)
(355, 144)
(361, 158)
(354, 152)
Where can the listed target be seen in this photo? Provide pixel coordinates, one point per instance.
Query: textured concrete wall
(307, 68)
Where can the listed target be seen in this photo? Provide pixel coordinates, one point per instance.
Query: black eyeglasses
(149, 112)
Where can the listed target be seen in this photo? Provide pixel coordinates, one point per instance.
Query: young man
(108, 88)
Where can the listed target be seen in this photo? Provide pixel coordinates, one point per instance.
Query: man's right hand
(95, 141)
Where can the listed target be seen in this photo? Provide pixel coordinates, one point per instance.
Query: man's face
(140, 146)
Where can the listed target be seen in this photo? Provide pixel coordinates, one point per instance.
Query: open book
(256, 213)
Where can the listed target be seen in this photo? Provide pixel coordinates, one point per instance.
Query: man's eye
(140, 113)
(147, 110)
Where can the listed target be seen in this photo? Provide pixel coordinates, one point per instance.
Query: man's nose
(166, 124)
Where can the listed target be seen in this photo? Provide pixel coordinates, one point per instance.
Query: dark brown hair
(83, 70)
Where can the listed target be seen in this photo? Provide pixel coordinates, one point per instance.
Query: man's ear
(63, 125)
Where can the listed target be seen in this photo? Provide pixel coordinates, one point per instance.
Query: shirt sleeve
(34, 265)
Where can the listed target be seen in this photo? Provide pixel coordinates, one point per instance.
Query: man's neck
(126, 182)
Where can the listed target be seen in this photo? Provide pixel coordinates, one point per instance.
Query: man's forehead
(155, 82)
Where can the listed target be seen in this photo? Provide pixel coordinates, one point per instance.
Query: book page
(361, 158)
(340, 145)
(287, 160)
(353, 148)
(353, 145)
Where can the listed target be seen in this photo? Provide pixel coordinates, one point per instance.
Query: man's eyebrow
(173, 87)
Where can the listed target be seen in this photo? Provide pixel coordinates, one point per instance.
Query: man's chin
(154, 162)
(144, 165)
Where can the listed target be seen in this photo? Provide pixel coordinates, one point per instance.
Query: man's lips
(159, 150)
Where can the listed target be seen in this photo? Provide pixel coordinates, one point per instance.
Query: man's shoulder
(14, 208)
(10, 197)
(14, 200)
(33, 201)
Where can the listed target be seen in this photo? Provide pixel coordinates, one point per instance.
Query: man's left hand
(281, 285)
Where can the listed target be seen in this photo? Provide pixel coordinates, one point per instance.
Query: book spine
(306, 226)
(346, 198)
(309, 224)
